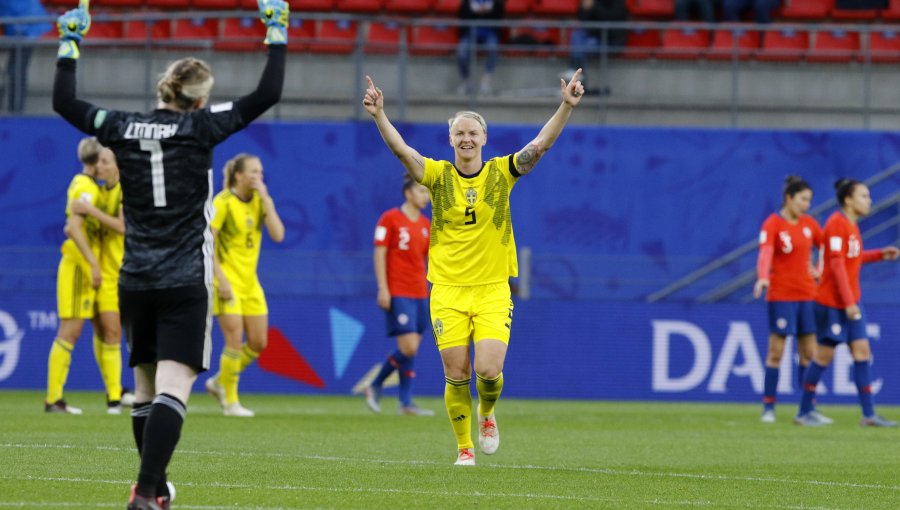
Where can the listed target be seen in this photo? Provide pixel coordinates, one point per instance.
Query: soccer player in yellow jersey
(79, 274)
(472, 254)
(241, 210)
(107, 321)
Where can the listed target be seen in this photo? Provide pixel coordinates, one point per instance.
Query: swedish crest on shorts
(471, 196)
(438, 327)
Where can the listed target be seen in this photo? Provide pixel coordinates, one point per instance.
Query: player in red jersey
(401, 247)
(785, 267)
(839, 316)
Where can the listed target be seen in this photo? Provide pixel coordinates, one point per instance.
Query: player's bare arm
(114, 223)
(529, 155)
(373, 101)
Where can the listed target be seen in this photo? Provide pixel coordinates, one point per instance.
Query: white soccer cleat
(768, 416)
(488, 434)
(61, 407)
(215, 389)
(238, 410)
(127, 398)
(373, 399)
(821, 417)
(466, 457)
(114, 409)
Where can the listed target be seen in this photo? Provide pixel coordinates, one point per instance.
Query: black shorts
(168, 324)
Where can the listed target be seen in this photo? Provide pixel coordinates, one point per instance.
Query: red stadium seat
(728, 42)
(784, 45)
(835, 46)
(104, 3)
(168, 4)
(642, 43)
(196, 28)
(537, 40)
(383, 38)
(854, 14)
(806, 9)
(334, 36)
(408, 6)
(684, 43)
(241, 34)
(359, 5)
(892, 11)
(555, 7)
(296, 5)
(107, 30)
(301, 32)
(652, 8)
(515, 8)
(884, 46)
(216, 4)
(446, 7)
(434, 40)
(140, 30)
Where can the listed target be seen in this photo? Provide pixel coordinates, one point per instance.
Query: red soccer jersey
(407, 250)
(792, 244)
(843, 244)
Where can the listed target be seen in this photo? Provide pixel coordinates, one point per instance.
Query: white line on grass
(601, 471)
(656, 501)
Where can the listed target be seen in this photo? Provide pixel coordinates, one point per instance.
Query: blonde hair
(184, 82)
(470, 115)
(89, 150)
(234, 166)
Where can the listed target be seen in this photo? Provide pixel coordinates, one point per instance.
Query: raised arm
(411, 159)
(73, 25)
(274, 14)
(529, 155)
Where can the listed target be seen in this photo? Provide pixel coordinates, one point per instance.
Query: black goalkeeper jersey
(165, 165)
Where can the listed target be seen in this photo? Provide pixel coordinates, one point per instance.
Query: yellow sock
(248, 356)
(458, 399)
(97, 357)
(111, 370)
(230, 373)
(488, 393)
(58, 368)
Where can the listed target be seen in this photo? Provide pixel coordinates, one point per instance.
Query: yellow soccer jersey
(83, 188)
(240, 233)
(112, 244)
(472, 239)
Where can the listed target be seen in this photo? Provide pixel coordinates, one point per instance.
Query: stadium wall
(559, 350)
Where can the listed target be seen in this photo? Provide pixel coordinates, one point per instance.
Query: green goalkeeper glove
(274, 14)
(73, 25)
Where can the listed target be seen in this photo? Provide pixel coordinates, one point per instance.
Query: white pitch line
(656, 501)
(601, 471)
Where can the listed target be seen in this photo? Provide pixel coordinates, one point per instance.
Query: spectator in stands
(588, 41)
(20, 54)
(704, 10)
(486, 36)
(762, 9)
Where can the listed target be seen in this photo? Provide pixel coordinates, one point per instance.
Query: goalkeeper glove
(72, 25)
(274, 14)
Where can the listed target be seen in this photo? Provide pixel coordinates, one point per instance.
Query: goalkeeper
(165, 284)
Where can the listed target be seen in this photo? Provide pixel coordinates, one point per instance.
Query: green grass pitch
(330, 452)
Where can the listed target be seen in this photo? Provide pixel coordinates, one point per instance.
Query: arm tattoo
(527, 158)
(419, 161)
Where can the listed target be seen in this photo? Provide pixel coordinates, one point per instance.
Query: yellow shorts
(74, 294)
(108, 294)
(245, 301)
(461, 314)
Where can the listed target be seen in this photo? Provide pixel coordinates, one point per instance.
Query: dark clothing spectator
(587, 41)
(487, 37)
(703, 10)
(762, 9)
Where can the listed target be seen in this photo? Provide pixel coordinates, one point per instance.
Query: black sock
(161, 433)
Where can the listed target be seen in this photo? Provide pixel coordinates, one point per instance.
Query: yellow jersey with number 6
(472, 240)
(240, 233)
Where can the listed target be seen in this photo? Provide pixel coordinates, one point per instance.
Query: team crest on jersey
(424, 232)
(438, 327)
(471, 196)
(807, 233)
(249, 222)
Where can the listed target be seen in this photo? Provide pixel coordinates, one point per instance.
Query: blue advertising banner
(559, 350)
